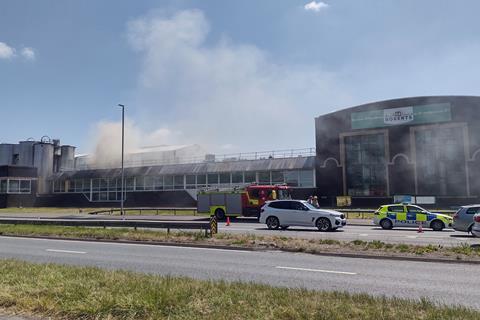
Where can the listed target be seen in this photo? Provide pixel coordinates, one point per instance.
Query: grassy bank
(462, 252)
(63, 292)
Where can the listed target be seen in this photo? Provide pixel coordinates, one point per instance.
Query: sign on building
(429, 113)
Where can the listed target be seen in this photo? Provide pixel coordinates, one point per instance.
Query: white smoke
(223, 95)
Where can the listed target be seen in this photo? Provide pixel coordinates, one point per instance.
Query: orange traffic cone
(420, 228)
(228, 222)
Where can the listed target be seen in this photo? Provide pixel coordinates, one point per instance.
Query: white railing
(241, 156)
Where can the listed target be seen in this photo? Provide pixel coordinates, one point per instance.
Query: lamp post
(122, 199)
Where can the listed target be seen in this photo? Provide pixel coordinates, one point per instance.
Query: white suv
(285, 213)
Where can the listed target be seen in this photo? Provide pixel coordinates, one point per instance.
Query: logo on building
(398, 115)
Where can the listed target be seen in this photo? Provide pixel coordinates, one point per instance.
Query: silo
(67, 158)
(6, 154)
(25, 153)
(43, 161)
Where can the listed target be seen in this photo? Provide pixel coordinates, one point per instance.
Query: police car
(408, 215)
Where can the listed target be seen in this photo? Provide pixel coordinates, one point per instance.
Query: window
(264, 177)
(179, 182)
(225, 178)
(473, 210)
(414, 209)
(250, 177)
(140, 183)
(440, 161)
(25, 186)
(396, 209)
(277, 177)
(190, 180)
(237, 177)
(280, 205)
(306, 178)
(168, 182)
(149, 183)
(366, 169)
(201, 181)
(13, 186)
(212, 178)
(129, 183)
(291, 178)
(3, 186)
(158, 183)
(297, 206)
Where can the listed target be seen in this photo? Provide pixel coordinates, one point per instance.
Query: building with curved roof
(428, 147)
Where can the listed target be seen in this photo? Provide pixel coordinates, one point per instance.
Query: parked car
(463, 218)
(285, 213)
(408, 215)
(476, 225)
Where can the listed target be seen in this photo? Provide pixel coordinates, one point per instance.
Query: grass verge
(378, 248)
(63, 292)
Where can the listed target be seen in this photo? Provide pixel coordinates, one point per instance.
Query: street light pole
(122, 212)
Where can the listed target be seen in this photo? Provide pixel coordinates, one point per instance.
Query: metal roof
(298, 163)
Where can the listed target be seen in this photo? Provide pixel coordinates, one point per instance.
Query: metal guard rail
(193, 210)
(130, 223)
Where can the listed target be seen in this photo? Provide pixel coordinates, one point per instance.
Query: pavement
(446, 283)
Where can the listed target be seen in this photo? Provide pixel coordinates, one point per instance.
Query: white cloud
(220, 93)
(28, 53)
(6, 52)
(316, 6)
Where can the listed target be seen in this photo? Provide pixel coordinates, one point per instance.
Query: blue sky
(229, 75)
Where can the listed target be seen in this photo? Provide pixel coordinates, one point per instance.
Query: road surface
(441, 282)
(447, 237)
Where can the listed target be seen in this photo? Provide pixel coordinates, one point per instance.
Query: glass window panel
(190, 179)
(178, 180)
(264, 177)
(212, 178)
(277, 177)
(366, 165)
(130, 183)
(112, 196)
(250, 177)
(140, 183)
(96, 184)
(3, 186)
(225, 178)
(149, 183)
(237, 177)
(168, 181)
(291, 178)
(306, 178)
(25, 186)
(103, 184)
(201, 179)
(158, 183)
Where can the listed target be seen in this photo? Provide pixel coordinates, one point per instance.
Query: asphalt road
(440, 282)
(363, 232)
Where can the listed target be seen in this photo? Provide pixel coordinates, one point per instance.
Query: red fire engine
(239, 201)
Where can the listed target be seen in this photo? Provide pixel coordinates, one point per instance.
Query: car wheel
(273, 223)
(437, 225)
(386, 224)
(283, 227)
(220, 214)
(323, 224)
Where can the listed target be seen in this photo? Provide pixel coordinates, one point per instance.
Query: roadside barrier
(154, 211)
(115, 223)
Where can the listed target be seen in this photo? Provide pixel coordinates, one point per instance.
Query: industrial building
(423, 147)
(427, 147)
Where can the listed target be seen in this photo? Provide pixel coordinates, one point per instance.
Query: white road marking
(316, 270)
(412, 237)
(65, 251)
(363, 235)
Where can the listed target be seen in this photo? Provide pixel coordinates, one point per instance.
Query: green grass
(63, 292)
(375, 247)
